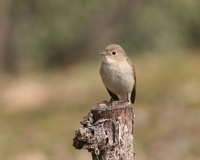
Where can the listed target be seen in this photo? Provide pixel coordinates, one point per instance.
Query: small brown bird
(118, 74)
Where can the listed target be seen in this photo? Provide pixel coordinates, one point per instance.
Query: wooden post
(107, 132)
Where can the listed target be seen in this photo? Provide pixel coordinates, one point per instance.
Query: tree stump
(107, 132)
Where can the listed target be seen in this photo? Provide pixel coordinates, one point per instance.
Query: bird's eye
(114, 52)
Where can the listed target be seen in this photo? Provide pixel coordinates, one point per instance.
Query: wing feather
(133, 93)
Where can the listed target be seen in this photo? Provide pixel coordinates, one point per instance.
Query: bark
(107, 132)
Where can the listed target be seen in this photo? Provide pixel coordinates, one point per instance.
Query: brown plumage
(118, 73)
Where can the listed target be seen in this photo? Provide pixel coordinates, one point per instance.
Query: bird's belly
(118, 80)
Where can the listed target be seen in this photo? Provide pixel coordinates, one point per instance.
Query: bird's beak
(102, 53)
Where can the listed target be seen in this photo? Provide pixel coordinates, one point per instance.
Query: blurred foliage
(41, 111)
(163, 26)
(55, 33)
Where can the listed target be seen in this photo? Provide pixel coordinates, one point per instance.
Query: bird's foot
(125, 101)
(112, 102)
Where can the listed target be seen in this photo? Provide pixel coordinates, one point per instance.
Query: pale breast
(118, 77)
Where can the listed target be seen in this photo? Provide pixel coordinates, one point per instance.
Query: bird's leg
(128, 99)
(114, 102)
(110, 103)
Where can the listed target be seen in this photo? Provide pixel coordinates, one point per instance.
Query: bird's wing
(133, 93)
(113, 96)
(130, 62)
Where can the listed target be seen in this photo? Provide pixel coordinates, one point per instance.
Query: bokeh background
(49, 74)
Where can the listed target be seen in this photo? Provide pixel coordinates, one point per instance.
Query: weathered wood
(107, 132)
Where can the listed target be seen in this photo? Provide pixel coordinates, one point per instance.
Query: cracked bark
(107, 132)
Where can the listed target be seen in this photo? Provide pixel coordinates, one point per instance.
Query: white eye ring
(114, 52)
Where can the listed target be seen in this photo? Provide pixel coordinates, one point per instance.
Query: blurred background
(49, 74)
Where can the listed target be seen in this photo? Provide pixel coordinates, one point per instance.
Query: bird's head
(113, 53)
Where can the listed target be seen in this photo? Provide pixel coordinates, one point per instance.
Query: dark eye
(114, 52)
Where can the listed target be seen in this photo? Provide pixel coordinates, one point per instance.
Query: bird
(118, 74)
